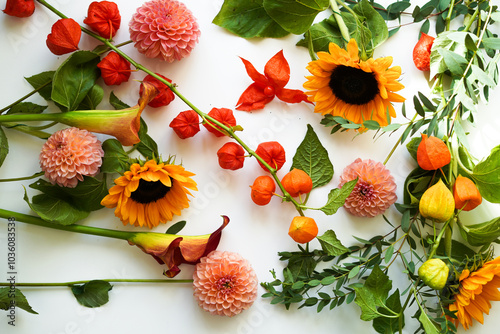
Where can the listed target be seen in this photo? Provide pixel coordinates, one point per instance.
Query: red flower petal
(114, 69)
(64, 37)
(260, 79)
(277, 70)
(186, 124)
(223, 115)
(165, 95)
(104, 18)
(292, 95)
(253, 98)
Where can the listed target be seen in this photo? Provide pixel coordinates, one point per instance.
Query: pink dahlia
(224, 283)
(69, 155)
(164, 29)
(375, 190)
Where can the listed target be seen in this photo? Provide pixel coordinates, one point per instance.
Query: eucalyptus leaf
(331, 245)
(92, 294)
(454, 62)
(4, 146)
(486, 175)
(42, 82)
(373, 294)
(115, 159)
(176, 228)
(247, 19)
(26, 108)
(293, 15)
(312, 158)
(337, 197)
(9, 297)
(75, 78)
(492, 43)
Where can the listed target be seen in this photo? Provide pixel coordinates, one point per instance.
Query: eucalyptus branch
(25, 97)
(23, 178)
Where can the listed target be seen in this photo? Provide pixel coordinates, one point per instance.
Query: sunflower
(343, 85)
(475, 291)
(150, 194)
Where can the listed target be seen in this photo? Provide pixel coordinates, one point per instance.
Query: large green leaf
(74, 79)
(390, 325)
(92, 99)
(322, 34)
(331, 244)
(295, 16)
(115, 159)
(481, 234)
(248, 18)
(373, 294)
(337, 197)
(486, 175)
(93, 293)
(312, 158)
(375, 23)
(9, 297)
(42, 82)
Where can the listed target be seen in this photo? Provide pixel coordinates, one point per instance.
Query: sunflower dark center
(353, 85)
(148, 192)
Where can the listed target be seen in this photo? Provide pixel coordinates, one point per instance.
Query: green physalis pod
(434, 273)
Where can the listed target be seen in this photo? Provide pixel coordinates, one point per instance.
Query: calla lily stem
(112, 280)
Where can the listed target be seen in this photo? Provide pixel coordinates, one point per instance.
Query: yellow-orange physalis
(466, 194)
(432, 153)
(437, 203)
(303, 229)
(297, 182)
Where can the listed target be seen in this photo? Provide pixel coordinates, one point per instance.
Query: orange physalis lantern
(303, 229)
(432, 153)
(466, 194)
(262, 190)
(297, 182)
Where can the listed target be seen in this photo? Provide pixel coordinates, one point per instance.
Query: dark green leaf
(389, 325)
(427, 103)
(337, 197)
(4, 146)
(115, 158)
(10, 296)
(312, 158)
(26, 108)
(412, 146)
(247, 19)
(294, 16)
(483, 233)
(116, 102)
(43, 82)
(486, 175)
(176, 228)
(469, 43)
(147, 146)
(322, 34)
(394, 9)
(418, 107)
(92, 99)
(301, 267)
(74, 79)
(375, 24)
(93, 293)
(331, 245)
(425, 27)
(459, 251)
(373, 294)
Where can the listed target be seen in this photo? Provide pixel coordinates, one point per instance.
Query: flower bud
(437, 203)
(164, 96)
(104, 18)
(231, 156)
(434, 273)
(432, 153)
(186, 124)
(466, 194)
(114, 69)
(262, 190)
(272, 153)
(297, 182)
(223, 115)
(64, 37)
(19, 8)
(422, 52)
(303, 229)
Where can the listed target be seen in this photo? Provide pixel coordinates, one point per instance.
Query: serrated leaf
(337, 197)
(373, 294)
(312, 158)
(176, 228)
(332, 246)
(93, 293)
(10, 297)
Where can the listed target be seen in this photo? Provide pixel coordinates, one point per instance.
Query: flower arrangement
(448, 263)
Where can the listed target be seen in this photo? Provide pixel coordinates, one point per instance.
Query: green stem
(51, 284)
(438, 239)
(123, 235)
(399, 140)
(448, 17)
(340, 21)
(23, 178)
(27, 129)
(25, 97)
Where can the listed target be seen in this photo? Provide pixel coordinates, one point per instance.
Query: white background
(213, 76)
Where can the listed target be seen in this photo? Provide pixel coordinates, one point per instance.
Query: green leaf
(147, 146)
(373, 294)
(394, 10)
(55, 210)
(26, 108)
(293, 15)
(390, 325)
(4, 146)
(86, 196)
(459, 251)
(74, 79)
(43, 82)
(428, 325)
(492, 43)
(483, 233)
(176, 228)
(116, 102)
(92, 99)
(455, 62)
(375, 24)
(312, 158)
(322, 34)
(331, 245)
(13, 296)
(337, 197)
(247, 19)
(301, 267)
(486, 175)
(93, 293)
(115, 158)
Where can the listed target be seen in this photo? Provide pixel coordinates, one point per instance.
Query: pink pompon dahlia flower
(224, 283)
(69, 155)
(375, 190)
(164, 29)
